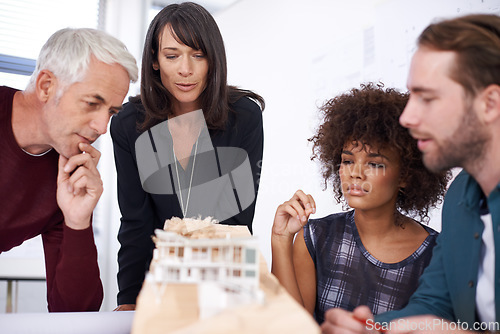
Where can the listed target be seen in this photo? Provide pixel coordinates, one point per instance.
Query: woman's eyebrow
(376, 155)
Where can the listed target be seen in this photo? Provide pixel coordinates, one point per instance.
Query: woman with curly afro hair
(374, 252)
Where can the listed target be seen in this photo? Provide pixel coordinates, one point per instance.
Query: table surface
(74, 323)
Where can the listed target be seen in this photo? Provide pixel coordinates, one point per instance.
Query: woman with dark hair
(375, 253)
(168, 139)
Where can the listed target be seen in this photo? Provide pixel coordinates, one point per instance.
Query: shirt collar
(473, 197)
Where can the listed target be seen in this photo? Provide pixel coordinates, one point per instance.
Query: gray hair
(68, 51)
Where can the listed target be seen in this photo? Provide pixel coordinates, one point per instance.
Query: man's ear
(490, 98)
(46, 85)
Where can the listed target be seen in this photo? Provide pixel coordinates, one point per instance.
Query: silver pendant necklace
(184, 210)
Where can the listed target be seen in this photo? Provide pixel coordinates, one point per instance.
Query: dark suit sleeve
(137, 222)
(248, 134)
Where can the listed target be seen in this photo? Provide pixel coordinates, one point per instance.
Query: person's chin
(356, 201)
(432, 163)
(68, 152)
(188, 97)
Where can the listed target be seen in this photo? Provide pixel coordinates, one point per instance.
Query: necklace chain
(184, 210)
(36, 155)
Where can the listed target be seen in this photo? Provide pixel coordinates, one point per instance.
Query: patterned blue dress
(347, 275)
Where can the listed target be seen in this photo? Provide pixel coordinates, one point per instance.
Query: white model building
(179, 259)
(225, 268)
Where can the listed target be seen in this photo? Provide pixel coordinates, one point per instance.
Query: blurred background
(296, 54)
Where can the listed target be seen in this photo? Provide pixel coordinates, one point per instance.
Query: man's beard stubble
(465, 147)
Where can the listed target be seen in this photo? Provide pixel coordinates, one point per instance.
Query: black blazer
(143, 212)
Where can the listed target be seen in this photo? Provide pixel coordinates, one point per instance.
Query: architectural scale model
(225, 268)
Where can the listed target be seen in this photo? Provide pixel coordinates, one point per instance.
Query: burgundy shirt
(29, 208)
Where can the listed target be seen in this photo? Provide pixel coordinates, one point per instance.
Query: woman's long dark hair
(195, 27)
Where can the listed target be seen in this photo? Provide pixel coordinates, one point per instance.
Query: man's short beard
(465, 147)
